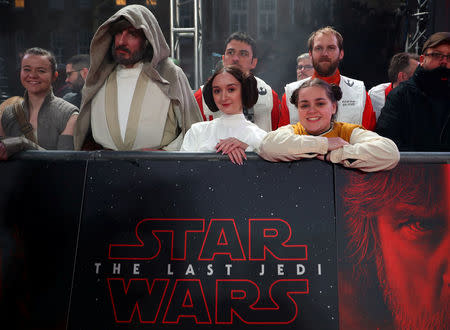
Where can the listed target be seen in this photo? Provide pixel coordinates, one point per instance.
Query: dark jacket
(73, 98)
(416, 115)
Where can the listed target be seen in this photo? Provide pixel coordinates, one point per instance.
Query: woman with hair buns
(318, 135)
(227, 90)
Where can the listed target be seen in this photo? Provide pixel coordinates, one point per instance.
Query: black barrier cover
(171, 241)
(174, 243)
(40, 204)
(393, 233)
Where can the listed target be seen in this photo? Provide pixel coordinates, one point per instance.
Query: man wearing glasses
(240, 50)
(77, 68)
(326, 50)
(416, 115)
(305, 68)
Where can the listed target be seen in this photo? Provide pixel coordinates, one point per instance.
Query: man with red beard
(326, 49)
(394, 270)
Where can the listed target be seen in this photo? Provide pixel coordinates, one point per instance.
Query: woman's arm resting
(284, 145)
(368, 152)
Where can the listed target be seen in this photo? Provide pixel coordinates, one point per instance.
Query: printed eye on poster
(393, 233)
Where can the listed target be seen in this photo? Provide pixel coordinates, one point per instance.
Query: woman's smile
(315, 110)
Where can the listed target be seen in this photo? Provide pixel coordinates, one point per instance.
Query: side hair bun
(249, 90)
(337, 92)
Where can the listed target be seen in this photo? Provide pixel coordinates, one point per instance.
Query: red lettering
(239, 298)
(273, 235)
(187, 300)
(126, 300)
(222, 237)
(176, 229)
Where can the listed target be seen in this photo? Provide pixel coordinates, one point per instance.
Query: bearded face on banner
(398, 226)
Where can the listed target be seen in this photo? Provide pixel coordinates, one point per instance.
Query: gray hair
(303, 56)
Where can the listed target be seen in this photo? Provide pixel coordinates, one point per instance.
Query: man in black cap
(416, 115)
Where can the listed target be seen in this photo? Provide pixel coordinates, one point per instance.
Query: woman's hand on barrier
(333, 144)
(237, 156)
(226, 145)
(234, 148)
(336, 143)
(325, 157)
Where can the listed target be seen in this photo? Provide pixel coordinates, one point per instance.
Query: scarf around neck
(334, 79)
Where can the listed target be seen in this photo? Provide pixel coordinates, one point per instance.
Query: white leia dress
(204, 136)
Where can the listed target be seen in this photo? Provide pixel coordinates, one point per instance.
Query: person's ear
(401, 76)
(341, 54)
(55, 76)
(254, 62)
(84, 73)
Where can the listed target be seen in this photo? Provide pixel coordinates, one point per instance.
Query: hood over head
(161, 70)
(102, 62)
(140, 18)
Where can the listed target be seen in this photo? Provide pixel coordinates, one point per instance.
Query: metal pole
(177, 22)
(196, 63)
(177, 32)
(171, 30)
(413, 41)
(200, 49)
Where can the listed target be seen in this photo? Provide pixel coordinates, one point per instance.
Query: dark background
(40, 203)
(373, 31)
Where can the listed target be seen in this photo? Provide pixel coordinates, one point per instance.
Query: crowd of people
(128, 94)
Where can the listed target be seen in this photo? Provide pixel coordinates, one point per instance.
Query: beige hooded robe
(161, 70)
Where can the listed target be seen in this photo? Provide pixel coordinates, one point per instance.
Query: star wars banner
(393, 231)
(172, 242)
(206, 244)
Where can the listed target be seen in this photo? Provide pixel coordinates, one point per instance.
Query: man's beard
(435, 81)
(78, 84)
(403, 319)
(323, 69)
(134, 57)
